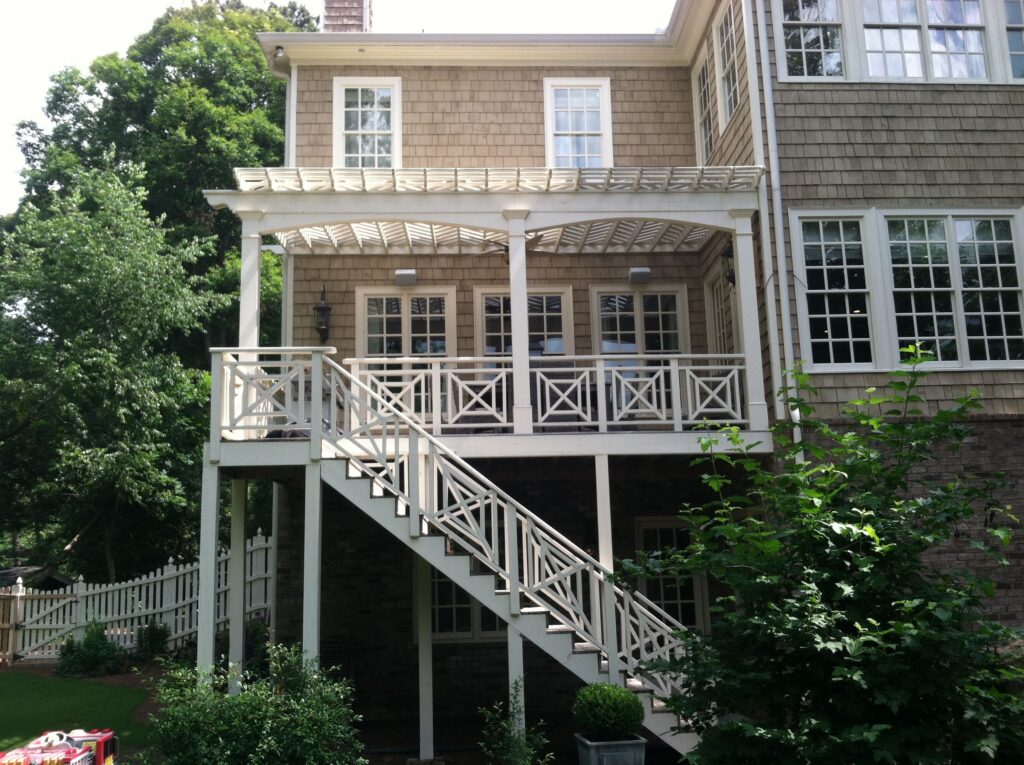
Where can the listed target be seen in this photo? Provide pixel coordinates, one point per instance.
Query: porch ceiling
(632, 209)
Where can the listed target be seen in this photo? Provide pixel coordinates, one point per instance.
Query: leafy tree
(101, 441)
(837, 643)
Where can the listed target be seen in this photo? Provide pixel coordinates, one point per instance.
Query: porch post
(249, 285)
(206, 624)
(522, 411)
(424, 638)
(746, 285)
(605, 613)
(516, 672)
(311, 564)
(236, 583)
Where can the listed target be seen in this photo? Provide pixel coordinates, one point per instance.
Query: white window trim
(679, 289)
(701, 597)
(854, 52)
(605, 85)
(878, 275)
(563, 290)
(724, 118)
(450, 333)
(338, 125)
(706, 56)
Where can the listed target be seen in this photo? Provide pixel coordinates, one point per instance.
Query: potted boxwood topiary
(610, 718)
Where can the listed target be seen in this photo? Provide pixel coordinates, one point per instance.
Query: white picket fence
(34, 624)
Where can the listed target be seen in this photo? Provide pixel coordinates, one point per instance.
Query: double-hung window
(1015, 36)
(703, 101)
(578, 122)
(368, 122)
(728, 77)
(902, 40)
(882, 280)
(640, 321)
(685, 596)
(811, 38)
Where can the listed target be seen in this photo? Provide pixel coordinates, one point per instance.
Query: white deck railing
(609, 393)
(369, 426)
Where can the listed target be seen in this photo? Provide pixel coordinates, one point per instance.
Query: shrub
(296, 714)
(837, 642)
(605, 712)
(506, 740)
(151, 641)
(93, 655)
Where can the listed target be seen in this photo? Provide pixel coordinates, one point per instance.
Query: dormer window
(578, 122)
(367, 122)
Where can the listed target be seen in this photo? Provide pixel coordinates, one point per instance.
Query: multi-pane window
(1015, 36)
(728, 81)
(892, 36)
(403, 324)
(635, 322)
(956, 35)
(705, 117)
(950, 283)
(545, 317)
(991, 294)
(578, 117)
(457, 616)
(837, 293)
(367, 122)
(812, 38)
(683, 597)
(922, 285)
(718, 304)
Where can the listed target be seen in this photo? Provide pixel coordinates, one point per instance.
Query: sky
(60, 33)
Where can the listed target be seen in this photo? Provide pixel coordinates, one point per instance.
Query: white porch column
(311, 564)
(236, 582)
(604, 511)
(522, 411)
(249, 285)
(516, 672)
(424, 638)
(207, 607)
(746, 286)
(275, 522)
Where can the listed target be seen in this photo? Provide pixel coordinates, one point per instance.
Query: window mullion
(956, 281)
(880, 293)
(851, 17)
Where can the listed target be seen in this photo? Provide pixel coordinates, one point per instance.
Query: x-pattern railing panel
(564, 393)
(713, 393)
(479, 400)
(639, 392)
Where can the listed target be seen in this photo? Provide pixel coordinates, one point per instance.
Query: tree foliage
(295, 714)
(103, 429)
(837, 642)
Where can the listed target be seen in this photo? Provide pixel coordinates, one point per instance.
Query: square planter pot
(628, 752)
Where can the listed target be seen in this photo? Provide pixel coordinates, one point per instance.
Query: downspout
(780, 232)
(288, 260)
(768, 273)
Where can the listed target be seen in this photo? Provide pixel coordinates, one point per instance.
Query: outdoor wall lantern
(729, 265)
(405, 277)
(322, 316)
(278, 52)
(639, 275)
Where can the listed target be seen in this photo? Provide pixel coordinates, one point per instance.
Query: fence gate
(9, 605)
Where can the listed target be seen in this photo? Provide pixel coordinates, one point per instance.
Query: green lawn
(35, 703)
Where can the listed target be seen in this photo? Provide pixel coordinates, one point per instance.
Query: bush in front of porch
(838, 643)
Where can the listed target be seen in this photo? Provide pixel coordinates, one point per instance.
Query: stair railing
(437, 489)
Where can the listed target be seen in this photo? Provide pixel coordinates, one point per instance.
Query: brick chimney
(347, 16)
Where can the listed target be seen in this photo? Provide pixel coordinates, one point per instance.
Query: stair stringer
(533, 626)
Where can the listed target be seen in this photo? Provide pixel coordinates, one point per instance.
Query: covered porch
(494, 304)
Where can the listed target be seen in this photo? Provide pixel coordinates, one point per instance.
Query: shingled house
(524, 274)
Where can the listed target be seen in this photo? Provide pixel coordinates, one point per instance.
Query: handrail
(547, 357)
(608, 603)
